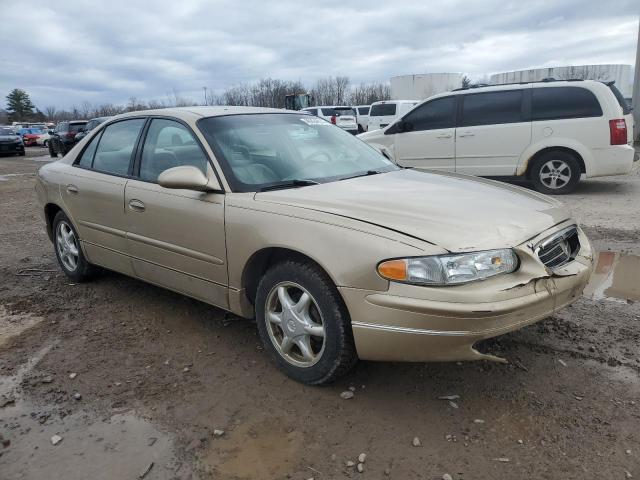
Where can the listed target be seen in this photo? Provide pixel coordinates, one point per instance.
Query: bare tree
(366, 94)
(51, 113)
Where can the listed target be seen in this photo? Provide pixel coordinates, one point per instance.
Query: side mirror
(189, 178)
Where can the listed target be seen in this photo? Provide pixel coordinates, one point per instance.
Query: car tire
(328, 356)
(22, 154)
(555, 173)
(52, 151)
(45, 144)
(66, 244)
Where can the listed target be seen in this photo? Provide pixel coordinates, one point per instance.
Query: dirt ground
(140, 382)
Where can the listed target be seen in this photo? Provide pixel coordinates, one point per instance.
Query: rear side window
(626, 108)
(86, 160)
(363, 110)
(439, 113)
(383, 109)
(113, 154)
(75, 127)
(554, 103)
(492, 108)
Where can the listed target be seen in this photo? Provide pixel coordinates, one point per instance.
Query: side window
(551, 103)
(86, 160)
(439, 113)
(364, 110)
(492, 108)
(169, 144)
(113, 154)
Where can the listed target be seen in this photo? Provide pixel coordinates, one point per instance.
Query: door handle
(72, 189)
(136, 205)
(467, 134)
(444, 135)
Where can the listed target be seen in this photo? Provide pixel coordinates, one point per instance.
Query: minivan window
(438, 113)
(113, 154)
(492, 108)
(626, 108)
(382, 110)
(552, 103)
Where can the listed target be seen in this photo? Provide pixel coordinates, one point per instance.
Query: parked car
(386, 112)
(549, 133)
(362, 117)
(336, 251)
(64, 137)
(91, 124)
(29, 135)
(342, 116)
(10, 142)
(44, 138)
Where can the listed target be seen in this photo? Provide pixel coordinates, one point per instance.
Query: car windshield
(262, 150)
(6, 131)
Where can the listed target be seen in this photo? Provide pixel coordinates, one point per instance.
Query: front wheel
(304, 324)
(556, 173)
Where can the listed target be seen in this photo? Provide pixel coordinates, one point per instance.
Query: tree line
(266, 92)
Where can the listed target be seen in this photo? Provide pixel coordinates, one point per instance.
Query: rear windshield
(383, 109)
(626, 108)
(75, 127)
(6, 131)
(328, 112)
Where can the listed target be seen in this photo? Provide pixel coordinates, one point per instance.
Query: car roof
(194, 113)
(395, 101)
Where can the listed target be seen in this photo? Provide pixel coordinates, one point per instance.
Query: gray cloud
(69, 52)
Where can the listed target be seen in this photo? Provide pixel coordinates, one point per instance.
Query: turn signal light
(393, 270)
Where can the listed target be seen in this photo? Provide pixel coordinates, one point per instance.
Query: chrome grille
(559, 249)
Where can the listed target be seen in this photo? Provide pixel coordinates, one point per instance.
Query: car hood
(455, 212)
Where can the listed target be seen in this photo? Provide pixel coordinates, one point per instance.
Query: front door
(176, 237)
(428, 139)
(94, 194)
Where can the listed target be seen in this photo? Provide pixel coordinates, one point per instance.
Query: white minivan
(549, 132)
(362, 117)
(386, 112)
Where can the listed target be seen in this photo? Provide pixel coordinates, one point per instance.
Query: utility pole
(636, 93)
(205, 95)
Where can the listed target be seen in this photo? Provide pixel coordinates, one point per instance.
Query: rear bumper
(612, 160)
(404, 324)
(11, 148)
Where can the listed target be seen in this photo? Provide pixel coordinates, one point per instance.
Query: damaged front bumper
(418, 323)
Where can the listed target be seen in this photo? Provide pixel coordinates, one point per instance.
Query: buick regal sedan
(337, 252)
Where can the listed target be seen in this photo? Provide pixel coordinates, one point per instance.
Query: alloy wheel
(555, 174)
(67, 246)
(294, 324)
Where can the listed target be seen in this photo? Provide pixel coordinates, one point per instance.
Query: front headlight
(449, 269)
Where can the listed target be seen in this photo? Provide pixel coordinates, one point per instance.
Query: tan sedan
(337, 252)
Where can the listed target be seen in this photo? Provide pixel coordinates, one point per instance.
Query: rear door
(93, 193)
(176, 237)
(429, 137)
(493, 131)
(382, 114)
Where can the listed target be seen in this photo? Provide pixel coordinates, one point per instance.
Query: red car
(29, 135)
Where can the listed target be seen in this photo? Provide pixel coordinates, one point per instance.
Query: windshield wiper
(365, 174)
(289, 184)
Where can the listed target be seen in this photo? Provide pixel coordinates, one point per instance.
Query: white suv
(549, 132)
(341, 116)
(362, 117)
(386, 112)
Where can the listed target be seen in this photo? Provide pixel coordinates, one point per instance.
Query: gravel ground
(141, 382)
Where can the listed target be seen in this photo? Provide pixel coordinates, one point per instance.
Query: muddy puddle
(615, 277)
(121, 445)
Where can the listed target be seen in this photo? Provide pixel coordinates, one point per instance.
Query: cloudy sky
(66, 52)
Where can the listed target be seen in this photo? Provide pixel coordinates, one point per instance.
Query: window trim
(572, 117)
(100, 134)
(523, 110)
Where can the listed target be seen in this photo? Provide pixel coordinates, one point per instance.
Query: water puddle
(256, 449)
(616, 277)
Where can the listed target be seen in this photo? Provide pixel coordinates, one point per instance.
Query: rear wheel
(46, 143)
(556, 173)
(68, 250)
(304, 324)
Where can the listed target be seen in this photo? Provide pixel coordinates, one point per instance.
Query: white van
(341, 116)
(385, 113)
(362, 117)
(548, 132)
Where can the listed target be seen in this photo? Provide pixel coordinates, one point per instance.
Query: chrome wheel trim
(67, 246)
(294, 324)
(555, 174)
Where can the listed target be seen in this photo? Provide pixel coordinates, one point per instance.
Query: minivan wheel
(304, 324)
(556, 173)
(68, 251)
